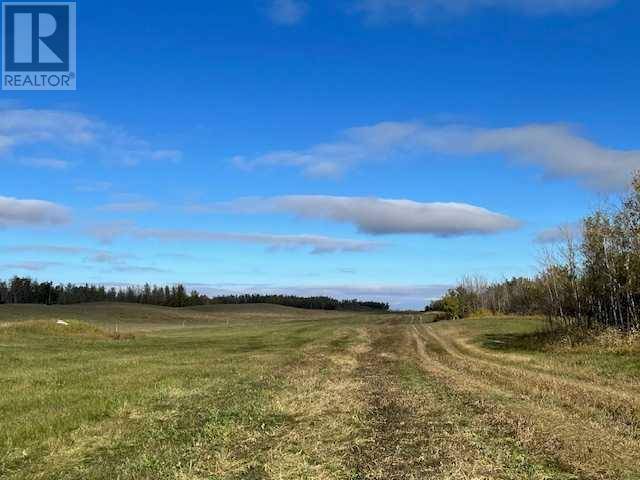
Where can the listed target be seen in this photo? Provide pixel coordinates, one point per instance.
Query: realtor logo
(39, 46)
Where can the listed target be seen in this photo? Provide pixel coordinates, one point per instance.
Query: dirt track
(468, 411)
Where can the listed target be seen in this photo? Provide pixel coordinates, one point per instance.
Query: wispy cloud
(51, 163)
(109, 258)
(91, 255)
(93, 258)
(560, 233)
(177, 256)
(129, 207)
(31, 266)
(419, 11)
(380, 216)
(107, 232)
(20, 127)
(93, 187)
(138, 269)
(61, 129)
(48, 249)
(17, 212)
(167, 155)
(317, 244)
(557, 149)
(287, 12)
(347, 271)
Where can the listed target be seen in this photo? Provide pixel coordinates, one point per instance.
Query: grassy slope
(282, 393)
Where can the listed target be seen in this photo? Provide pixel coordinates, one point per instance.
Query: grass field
(266, 392)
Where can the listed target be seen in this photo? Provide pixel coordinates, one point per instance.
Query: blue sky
(359, 148)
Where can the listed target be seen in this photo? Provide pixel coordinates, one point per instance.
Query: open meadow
(270, 392)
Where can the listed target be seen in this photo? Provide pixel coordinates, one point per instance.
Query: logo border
(72, 47)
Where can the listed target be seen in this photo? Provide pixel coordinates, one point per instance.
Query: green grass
(78, 403)
(267, 392)
(607, 353)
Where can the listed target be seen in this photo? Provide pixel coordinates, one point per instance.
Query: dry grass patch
(323, 404)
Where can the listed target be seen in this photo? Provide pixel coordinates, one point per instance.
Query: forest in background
(27, 291)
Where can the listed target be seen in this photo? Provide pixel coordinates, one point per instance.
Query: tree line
(590, 278)
(25, 290)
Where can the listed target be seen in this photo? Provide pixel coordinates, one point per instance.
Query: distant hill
(248, 308)
(135, 317)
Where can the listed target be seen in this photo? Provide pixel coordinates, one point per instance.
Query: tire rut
(546, 426)
(394, 437)
(417, 427)
(615, 406)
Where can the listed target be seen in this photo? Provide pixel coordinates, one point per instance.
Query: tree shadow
(534, 341)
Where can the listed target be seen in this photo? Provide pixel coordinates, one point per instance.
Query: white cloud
(560, 151)
(381, 216)
(287, 12)
(16, 212)
(557, 149)
(20, 128)
(324, 160)
(420, 10)
(316, 243)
